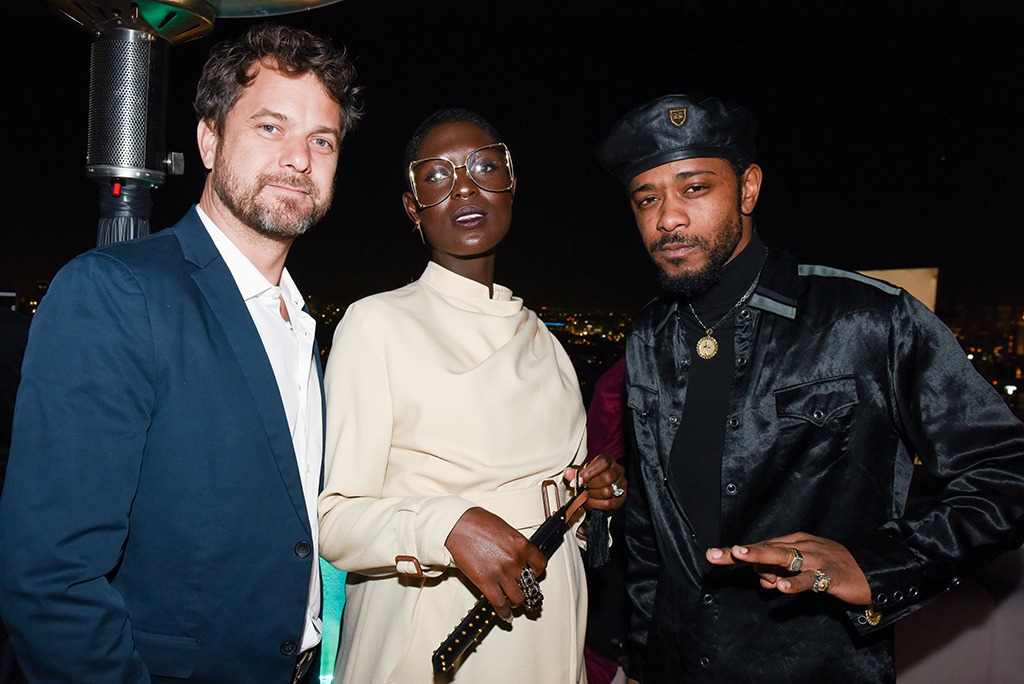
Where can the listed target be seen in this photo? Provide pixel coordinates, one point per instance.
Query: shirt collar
(251, 283)
(776, 292)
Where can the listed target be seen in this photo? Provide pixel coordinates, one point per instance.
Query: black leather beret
(677, 127)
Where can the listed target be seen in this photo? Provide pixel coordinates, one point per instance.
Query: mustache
(290, 181)
(670, 240)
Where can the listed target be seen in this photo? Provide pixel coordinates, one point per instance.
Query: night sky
(890, 134)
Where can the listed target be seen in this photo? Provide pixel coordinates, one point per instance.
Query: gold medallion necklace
(707, 346)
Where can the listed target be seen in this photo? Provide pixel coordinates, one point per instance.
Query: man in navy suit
(159, 516)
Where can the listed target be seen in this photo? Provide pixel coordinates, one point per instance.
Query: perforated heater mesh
(118, 103)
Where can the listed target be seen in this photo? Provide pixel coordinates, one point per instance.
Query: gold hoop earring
(417, 227)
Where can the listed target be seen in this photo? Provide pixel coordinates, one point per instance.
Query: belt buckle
(302, 664)
(549, 495)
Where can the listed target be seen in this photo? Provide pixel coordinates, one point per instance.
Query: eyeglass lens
(435, 178)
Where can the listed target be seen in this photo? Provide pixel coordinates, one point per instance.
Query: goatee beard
(284, 221)
(719, 252)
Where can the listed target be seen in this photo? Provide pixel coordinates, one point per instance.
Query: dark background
(890, 134)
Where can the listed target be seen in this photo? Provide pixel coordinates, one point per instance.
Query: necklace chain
(707, 346)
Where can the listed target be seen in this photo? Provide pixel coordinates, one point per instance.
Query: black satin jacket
(840, 380)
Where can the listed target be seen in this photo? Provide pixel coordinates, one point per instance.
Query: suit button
(673, 420)
(742, 361)
(731, 488)
(303, 549)
(734, 422)
(708, 598)
(289, 648)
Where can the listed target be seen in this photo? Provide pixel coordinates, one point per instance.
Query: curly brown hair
(290, 50)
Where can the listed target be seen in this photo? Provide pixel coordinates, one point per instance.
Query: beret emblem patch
(677, 116)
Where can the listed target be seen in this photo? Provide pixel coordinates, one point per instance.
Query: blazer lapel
(214, 280)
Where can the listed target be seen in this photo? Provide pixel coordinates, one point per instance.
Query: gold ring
(821, 582)
(797, 561)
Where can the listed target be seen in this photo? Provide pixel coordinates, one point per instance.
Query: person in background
(158, 522)
(453, 414)
(777, 409)
(606, 578)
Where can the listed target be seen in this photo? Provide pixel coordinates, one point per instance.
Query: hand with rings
(496, 558)
(800, 562)
(605, 480)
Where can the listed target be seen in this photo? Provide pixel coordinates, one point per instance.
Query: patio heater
(126, 150)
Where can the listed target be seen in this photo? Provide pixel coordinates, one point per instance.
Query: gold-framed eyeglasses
(433, 179)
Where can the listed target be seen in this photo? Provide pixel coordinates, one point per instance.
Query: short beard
(282, 222)
(719, 252)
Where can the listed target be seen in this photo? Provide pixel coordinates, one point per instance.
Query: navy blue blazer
(152, 524)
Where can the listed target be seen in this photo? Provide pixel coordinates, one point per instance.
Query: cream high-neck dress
(441, 398)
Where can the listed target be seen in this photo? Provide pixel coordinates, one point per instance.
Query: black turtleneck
(696, 460)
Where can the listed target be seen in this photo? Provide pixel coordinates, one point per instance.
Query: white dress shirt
(289, 347)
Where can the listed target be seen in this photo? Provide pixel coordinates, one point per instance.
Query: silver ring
(821, 582)
(617, 491)
(797, 561)
(531, 590)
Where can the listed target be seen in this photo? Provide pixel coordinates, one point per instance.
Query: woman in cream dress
(449, 404)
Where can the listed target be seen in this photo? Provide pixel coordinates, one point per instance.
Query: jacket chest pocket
(643, 402)
(814, 420)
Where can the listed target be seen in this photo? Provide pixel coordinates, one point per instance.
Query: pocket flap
(815, 402)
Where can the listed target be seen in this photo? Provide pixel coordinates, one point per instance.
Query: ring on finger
(821, 582)
(531, 589)
(617, 491)
(797, 561)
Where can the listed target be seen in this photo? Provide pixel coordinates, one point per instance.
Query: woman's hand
(492, 555)
(605, 480)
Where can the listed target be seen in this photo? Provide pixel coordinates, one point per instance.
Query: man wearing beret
(777, 410)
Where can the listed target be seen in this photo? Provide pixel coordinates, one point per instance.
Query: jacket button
(289, 648)
(818, 414)
(303, 549)
(731, 488)
(742, 361)
(734, 422)
(912, 592)
(955, 582)
(897, 596)
(744, 313)
(705, 661)
(673, 420)
(881, 599)
(861, 620)
(708, 598)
